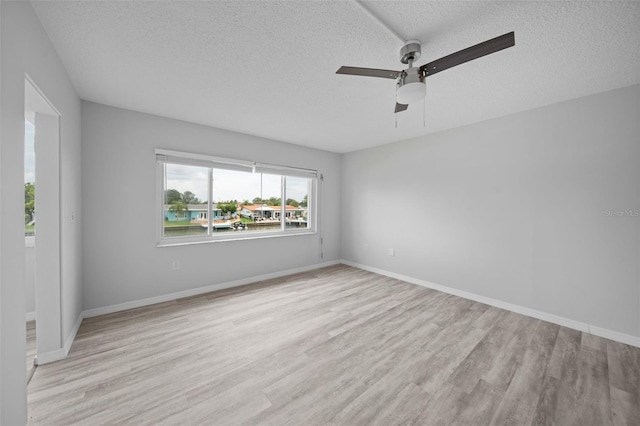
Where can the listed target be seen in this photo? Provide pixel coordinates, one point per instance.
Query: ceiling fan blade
(400, 108)
(369, 72)
(470, 53)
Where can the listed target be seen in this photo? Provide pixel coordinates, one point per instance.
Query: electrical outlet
(366, 247)
(392, 252)
(175, 265)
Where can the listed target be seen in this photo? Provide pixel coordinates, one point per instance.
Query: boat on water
(297, 220)
(225, 224)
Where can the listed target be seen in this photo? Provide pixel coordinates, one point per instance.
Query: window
(204, 198)
(29, 182)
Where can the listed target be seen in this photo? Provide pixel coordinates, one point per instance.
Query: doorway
(42, 228)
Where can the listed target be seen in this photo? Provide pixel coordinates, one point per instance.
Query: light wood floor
(335, 346)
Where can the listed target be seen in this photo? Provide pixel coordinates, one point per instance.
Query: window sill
(185, 242)
(29, 242)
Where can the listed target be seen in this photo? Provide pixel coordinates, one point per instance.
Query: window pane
(297, 190)
(29, 180)
(247, 202)
(185, 200)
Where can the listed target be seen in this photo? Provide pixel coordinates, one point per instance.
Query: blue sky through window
(232, 185)
(29, 153)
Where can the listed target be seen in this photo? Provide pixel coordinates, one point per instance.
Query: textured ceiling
(268, 68)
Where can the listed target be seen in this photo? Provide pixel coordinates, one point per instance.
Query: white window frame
(164, 156)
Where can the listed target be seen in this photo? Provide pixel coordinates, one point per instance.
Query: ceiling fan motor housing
(410, 52)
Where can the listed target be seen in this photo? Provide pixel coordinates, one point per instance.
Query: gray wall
(121, 262)
(515, 209)
(26, 49)
(30, 280)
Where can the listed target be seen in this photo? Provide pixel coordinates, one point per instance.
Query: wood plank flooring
(337, 346)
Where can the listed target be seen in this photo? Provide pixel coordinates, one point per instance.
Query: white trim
(221, 162)
(30, 316)
(232, 236)
(53, 110)
(614, 335)
(72, 335)
(193, 292)
(48, 357)
(209, 159)
(59, 354)
(285, 170)
(566, 322)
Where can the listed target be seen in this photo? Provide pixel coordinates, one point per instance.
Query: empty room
(319, 212)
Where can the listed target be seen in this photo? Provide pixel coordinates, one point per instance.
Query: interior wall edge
(27, 51)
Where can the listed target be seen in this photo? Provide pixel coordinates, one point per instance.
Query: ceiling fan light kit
(410, 86)
(410, 83)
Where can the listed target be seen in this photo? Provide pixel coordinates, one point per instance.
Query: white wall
(26, 49)
(513, 209)
(30, 280)
(2, 277)
(49, 337)
(121, 262)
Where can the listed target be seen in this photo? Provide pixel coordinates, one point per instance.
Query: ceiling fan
(410, 82)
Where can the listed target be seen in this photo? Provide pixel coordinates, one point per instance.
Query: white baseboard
(52, 356)
(72, 335)
(30, 316)
(566, 322)
(61, 353)
(193, 292)
(614, 335)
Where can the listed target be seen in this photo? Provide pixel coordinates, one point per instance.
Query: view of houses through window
(243, 201)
